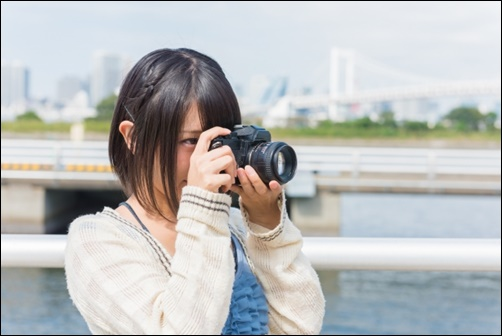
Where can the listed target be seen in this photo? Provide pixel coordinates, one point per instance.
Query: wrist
(267, 219)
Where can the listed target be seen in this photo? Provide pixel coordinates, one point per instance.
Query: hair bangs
(217, 103)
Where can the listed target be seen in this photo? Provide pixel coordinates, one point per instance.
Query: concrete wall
(316, 215)
(23, 209)
(29, 208)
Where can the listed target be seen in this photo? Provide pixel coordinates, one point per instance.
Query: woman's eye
(191, 141)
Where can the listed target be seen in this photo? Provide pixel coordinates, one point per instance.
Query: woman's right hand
(213, 170)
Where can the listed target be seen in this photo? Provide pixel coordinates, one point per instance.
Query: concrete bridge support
(30, 208)
(316, 215)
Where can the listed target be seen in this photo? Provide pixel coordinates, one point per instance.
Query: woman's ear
(125, 128)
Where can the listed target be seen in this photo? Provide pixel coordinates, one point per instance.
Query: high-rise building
(67, 89)
(277, 88)
(15, 83)
(108, 71)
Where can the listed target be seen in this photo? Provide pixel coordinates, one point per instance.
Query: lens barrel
(273, 161)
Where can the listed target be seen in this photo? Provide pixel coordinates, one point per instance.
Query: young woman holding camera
(175, 257)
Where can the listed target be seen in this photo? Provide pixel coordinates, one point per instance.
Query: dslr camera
(252, 145)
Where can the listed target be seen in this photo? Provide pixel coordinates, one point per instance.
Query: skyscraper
(67, 88)
(15, 83)
(108, 70)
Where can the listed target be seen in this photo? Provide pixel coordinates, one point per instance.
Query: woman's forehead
(192, 121)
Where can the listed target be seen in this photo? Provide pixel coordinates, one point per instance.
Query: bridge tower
(341, 77)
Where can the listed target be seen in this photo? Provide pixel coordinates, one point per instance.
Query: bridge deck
(67, 164)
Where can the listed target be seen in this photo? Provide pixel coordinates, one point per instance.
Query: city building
(107, 72)
(67, 89)
(15, 83)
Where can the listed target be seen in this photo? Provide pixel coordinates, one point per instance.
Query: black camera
(252, 145)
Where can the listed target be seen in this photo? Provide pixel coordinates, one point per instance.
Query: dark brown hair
(156, 95)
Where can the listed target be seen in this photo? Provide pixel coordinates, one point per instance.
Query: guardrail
(80, 156)
(431, 162)
(51, 155)
(342, 253)
(370, 169)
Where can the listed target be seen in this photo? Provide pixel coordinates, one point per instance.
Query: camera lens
(273, 161)
(280, 163)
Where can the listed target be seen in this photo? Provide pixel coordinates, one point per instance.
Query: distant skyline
(450, 40)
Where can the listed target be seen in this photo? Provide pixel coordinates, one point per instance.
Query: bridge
(48, 173)
(359, 86)
(433, 90)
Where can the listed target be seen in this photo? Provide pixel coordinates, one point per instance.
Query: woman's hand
(259, 200)
(213, 170)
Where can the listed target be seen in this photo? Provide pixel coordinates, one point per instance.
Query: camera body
(252, 145)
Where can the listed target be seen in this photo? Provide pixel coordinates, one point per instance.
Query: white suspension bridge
(349, 89)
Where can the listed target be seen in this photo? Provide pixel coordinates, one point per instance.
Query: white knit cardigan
(123, 281)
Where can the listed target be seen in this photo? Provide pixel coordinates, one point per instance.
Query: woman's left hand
(259, 200)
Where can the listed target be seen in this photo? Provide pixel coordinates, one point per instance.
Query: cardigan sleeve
(292, 286)
(123, 282)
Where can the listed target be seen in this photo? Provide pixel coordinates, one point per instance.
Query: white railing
(66, 155)
(426, 161)
(343, 253)
(346, 168)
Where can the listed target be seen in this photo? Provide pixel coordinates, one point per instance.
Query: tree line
(462, 119)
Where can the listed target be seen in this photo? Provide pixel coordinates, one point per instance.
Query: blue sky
(451, 40)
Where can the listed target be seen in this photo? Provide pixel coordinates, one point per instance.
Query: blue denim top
(248, 307)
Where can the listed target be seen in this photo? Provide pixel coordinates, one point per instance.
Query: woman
(175, 257)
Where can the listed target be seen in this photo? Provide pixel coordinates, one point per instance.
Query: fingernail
(249, 170)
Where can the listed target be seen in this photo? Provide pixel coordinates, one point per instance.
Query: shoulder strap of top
(128, 206)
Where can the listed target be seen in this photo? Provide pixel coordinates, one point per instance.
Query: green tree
(415, 126)
(489, 119)
(106, 107)
(29, 115)
(362, 123)
(386, 119)
(326, 124)
(465, 118)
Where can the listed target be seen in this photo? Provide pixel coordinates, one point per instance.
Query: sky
(447, 40)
